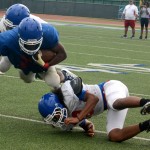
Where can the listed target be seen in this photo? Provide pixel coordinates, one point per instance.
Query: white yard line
(37, 121)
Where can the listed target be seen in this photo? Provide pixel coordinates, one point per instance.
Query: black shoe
(145, 109)
(148, 129)
(132, 37)
(140, 37)
(124, 36)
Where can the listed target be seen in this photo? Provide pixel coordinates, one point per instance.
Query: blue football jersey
(9, 46)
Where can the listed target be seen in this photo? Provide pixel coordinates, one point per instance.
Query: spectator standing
(130, 13)
(144, 19)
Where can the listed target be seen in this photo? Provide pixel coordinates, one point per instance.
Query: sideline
(37, 121)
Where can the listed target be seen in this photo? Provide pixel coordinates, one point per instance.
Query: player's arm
(60, 52)
(91, 101)
(50, 57)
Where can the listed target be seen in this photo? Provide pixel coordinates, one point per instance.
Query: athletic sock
(144, 125)
(144, 101)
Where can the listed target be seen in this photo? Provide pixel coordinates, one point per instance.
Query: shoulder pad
(76, 85)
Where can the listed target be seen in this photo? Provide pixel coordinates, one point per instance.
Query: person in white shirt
(130, 13)
(144, 19)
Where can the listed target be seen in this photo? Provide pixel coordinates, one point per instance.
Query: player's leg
(27, 78)
(5, 64)
(118, 99)
(51, 77)
(118, 133)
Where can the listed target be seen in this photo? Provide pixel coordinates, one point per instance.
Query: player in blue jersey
(21, 44)
(11, 19)
(74, 102)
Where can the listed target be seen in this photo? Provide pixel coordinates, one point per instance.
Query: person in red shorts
(130, 13)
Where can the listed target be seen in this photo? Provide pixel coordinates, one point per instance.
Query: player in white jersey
(74, 102)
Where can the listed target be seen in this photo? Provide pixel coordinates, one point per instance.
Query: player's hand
(38, 59)
(71, 120)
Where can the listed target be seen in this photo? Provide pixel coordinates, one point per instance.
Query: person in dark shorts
(144, 14)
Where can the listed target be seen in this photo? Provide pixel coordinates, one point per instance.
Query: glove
(38, 59)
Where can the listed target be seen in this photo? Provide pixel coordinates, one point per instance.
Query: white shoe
(146, 109)
(1, 73)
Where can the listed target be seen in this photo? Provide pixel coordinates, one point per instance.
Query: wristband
(46, 66)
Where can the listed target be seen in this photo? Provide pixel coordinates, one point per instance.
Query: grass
(84, 45)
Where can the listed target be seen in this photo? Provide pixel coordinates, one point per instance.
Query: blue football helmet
(30, 35)
(52, 110)
(14, 15)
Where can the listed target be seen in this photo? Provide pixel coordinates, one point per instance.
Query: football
(47, 55)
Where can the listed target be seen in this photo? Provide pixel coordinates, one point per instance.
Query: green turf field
(96, 54)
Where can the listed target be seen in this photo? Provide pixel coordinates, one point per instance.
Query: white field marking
(117, 49)
(144, 95)
(42, 122)
(87, 26)
(85, 54)
(74, 67)
(100, 37)
(125, 67)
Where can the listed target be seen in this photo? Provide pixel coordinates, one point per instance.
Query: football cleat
(146, 109)
(68, 75)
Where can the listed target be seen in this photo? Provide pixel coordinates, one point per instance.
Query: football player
(19, 45)
(75, 102)
(11, 19)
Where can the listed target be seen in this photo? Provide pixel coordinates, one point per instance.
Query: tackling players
(75, 102)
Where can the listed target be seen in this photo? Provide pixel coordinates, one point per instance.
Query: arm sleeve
(82, 95)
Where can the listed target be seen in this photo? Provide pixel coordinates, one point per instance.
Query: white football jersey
(112, 90)
(75, 105)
